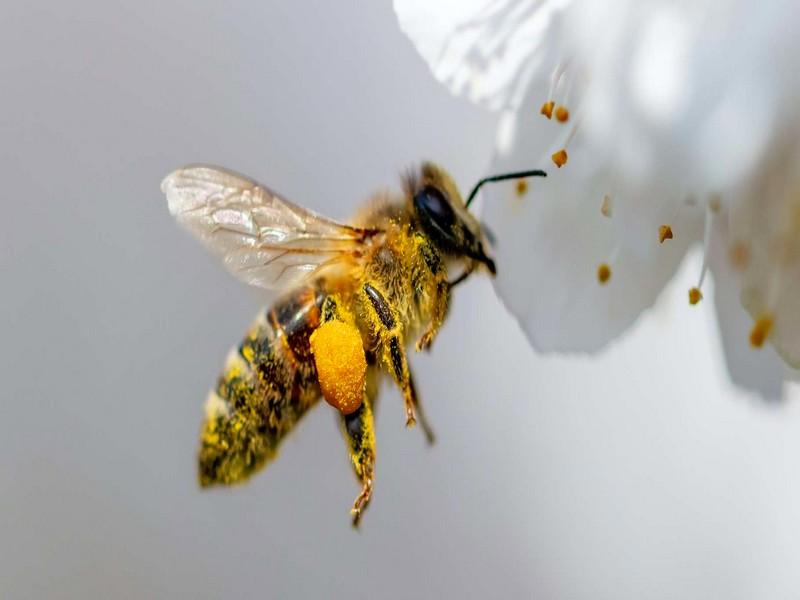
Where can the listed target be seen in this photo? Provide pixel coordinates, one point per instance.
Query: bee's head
(442, 213)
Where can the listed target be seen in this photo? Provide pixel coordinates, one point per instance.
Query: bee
(354, 297)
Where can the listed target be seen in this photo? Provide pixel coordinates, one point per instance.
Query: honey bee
(354, 297)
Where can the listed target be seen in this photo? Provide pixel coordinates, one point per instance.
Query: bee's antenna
(503, 177)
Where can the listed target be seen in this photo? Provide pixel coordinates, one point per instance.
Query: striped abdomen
(268, 383)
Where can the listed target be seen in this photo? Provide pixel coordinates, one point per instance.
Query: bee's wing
(262, 239)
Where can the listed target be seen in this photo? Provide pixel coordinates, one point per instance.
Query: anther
(695, 295)
(547, 109)
(562, 114)
(605, 207)
(521, 187)
(560, 158)
(664, 233)
(603, 273)
(761, 330)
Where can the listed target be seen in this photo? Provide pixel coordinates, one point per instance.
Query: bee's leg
(438, 291)
(386, 323)
(441, 301)
(359, 430)
(423, 419)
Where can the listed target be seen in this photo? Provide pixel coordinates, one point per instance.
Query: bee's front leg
(359, 431)
(438, 290)
(441, 300)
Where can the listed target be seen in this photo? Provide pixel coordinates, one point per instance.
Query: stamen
(603, 273)
(715, 203)
(664, 233)
(560, 158)
(695, 295)
(562, 114)
(555, 79)
(521, 187)
(761, 330)
(605, 207)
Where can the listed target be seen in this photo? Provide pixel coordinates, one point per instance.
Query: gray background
(639, 473)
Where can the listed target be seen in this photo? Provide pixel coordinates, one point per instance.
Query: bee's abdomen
(268, 383)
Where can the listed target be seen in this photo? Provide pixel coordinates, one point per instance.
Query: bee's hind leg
(359, 431)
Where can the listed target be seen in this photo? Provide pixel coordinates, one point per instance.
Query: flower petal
(552, 239)
(485, 50)
(766, 221)
(760, 371)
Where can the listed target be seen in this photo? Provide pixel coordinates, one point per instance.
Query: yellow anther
(547, 109)
(560, 158)
(664, 233)
(603, 273)
(761, 330)
(605, 207)
(521, 187)
(562, 114)
(695, 295)
(739, 255)
(341, 365)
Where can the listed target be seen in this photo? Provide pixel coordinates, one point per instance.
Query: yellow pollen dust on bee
(562, 114)
(521, 187)
(695, 295)
(761, 330)
(341, 364)
(664, 233)
(560, 158)
(603, 273)
(547, 109)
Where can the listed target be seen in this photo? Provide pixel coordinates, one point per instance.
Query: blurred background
(638, 473)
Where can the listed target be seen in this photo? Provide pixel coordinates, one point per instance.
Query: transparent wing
(262, 239)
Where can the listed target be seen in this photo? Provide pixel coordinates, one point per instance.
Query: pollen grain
(761, 330)
(560, 158)
(603, 273)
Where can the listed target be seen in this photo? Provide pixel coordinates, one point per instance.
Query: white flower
(669, 123)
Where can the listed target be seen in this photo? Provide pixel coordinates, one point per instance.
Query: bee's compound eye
(341, 364)
(433, 207)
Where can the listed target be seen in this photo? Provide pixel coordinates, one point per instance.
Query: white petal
(486, 50)
(762, 370)
(551, 240)
(767, 221)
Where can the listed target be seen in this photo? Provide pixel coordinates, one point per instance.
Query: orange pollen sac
(560, 158)
(761, 330)
(695, 295)
(562, 114)
(341, 364)
(547, 109)
(664, 233)
(521, 187)
(603, 273)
